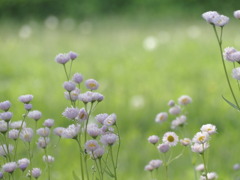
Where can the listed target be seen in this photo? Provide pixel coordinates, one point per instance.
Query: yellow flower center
(92, 145)
(170, 138)
(92, 85)
(201, 138)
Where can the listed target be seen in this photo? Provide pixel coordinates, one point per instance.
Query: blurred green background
(143, 53)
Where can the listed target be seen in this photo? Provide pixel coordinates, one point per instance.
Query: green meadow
(140, 64)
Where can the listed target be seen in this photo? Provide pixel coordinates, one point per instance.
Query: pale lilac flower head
(236, 73)
(101, 117)
(98, 153)
(49, 123)
(6, 116)
(97, 97)
(179, 121)
(5, 105)
(72, 55)
(36, 115)
(92, 84)
(23, 163)
(201, 137)
(13, 134)
(161, 117)
(220, 20)
(9, 167)
(26, 134)
(210, 16)
(199, 148)
(71, 113)
(71, 131)
(77, 78)
(110, 120)
(3, 126)
(163, 148)
(86, 97)
(153, 139)
(25, 98)
(62, 58)
(184, 100)
(69, 86)
(44, 132)
(236, 14)
(209, 128)
(109, 139)
(82, 115)
(228, 54)
(28, 107)
(171, 103)
(148, 168)
(17, 124)
(93, 131)
(49, 159)
(170, 138)
(73, 95)
(210, 176)
(199, 167)
(185, 141)
(156, 163)
(236, 167)
(36, 172)
(4, 149)
(91, 145)
(58, 131)
(175, 110)
(43, 142)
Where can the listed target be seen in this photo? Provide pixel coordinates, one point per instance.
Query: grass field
(140, 66)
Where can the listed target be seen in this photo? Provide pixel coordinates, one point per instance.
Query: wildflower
(91, 145)
(163, 148)
(171, 103)
(13, 134)
(44, 132)
(91, 84)
(48, 159)
(71, 113)
(25, 98)
(101, 117)
(185, 141)
(18, 124)
(26, 134)
(110, 120)
(36, 115)
(23, 163)
(199, 148)
(175, 110)
(86, 97)
(43, 142)
(109, 139)
(210, 176)
(210, 16)
(155, 163)
(58, 131)
(201, 137)
(153, 139)
(28, 107)
(36, 172)
(6, 116)
(236, 14)
(236, 73)
(48, 123)
(3, 126)
(72, 55)
(71, 131)
(82, 115)
(97, 153)
(62, 58)
(170, 138)
(5, 105)
(97, 97)
(228, 54)
(9, 167)
(179, 121)
(184, 100)
(69, 86)
(73, 95)
(220, 20)
(161, 117)
(148, 168)
(209, 128)
(236, 167)
(4, 149)
(199, 167)
(77, 78)
(93, 131)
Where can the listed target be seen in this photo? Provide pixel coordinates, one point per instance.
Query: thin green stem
(205, 165)
(81, 159)
(166, 165)
(65, 70)
(114, 166)
(70, 69)
(47, 161)
(30, 158)
(219, 39)
(119, 144)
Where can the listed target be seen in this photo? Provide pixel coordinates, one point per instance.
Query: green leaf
(75, 176)
(231, 104)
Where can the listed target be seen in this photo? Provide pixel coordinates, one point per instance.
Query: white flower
(179, 121)
(17, 124)
(44, 132)
(161, 117)
(4, 149)
(236, 14)
(71, 131)
(148, 168)
(58, 131)
(82, 115)
(227, 54)
(43, 142)
(48, 123)
(199, 167)
(36, 172)
(9, 167)
(185, 141)
(70, 113)
(93, 131)
(36, 115)
(201, 137)
(91, 145)
(155, 163)
(101, 117)
(199, 148)
(209, 128)
(175, 110)
(48, 159)
(210, 176)
(236, 73)
(109, 139)
(97, 153)
(170, 138)
(13, 134)
(26, 134)
(184, 100)
(23, 163)
(153, 139)
(3, 126)
(91, 84)
(221, 20)
(210, 16)
(110, 120)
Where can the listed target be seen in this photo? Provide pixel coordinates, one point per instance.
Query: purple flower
(48, 123)
(9, 167)
(109, 139)
(77, 78)
(91, 84)
(6, 116)
(71, 113)
(28, 107)
(72, 55)
(5, 105)
(62, 58)
(36, 115)
(25, 98)
(101, 117)
(69, 86)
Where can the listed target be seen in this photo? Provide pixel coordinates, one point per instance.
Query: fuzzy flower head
(97, 153)
(91, 84)
(49, 159)
(220, 20)
(73, 95)
(199, 167)
(91, 145)
(17, 124)
(5, 150)
(77, 78)
(101, 117)
(58, 131)
(69, 86)
(110, 120)
(5, 105)
(36, 115)
(227, 54)
(23, 163)
(48, 123)
(62, 58)
(6, 116)
(199, 148)
(71, 113)
(82, 115)
(170, 138)
(109, 139)
(97, 97)
(44, 132)
(148, 168)
(9, 167)
(179, 121)
(184, 100)
(71, 131)
(209, 128)
(13, 134)
(26, 134)
(210, 16)
(171, 103)
(28, 107)
(201, 137)
(156, 163)
(86, 97)
(175, 110)
(236, 14)
(163, 148)
(36, 172)
(25, 98)
(3, 126)
(72, 55)
(236, 73)
(236, 167)
(93, 131)
(43, 142)
(161, 117)
(210, 176)
(153, 139)
(185, 141)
